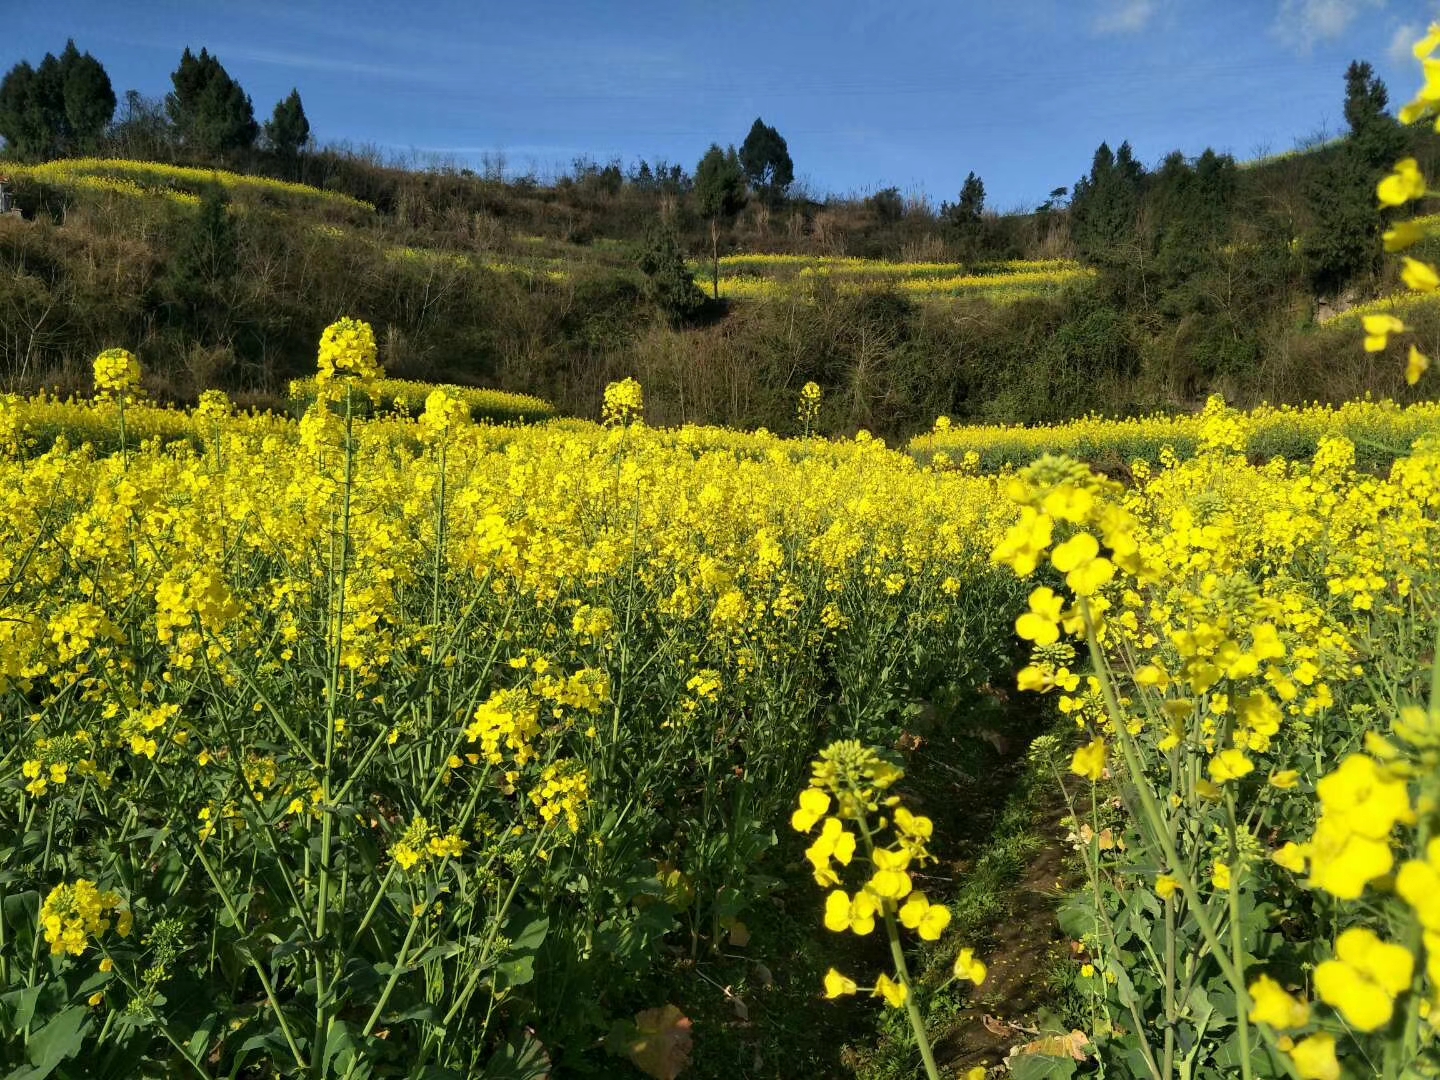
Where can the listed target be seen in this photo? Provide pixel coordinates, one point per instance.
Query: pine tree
(89, 99)
(668, 281)
(765, 158)
(288, 130)
(212, 114)
(1377, 136)
(205, 261)
(1104, 204)
(720, 193)
(58, 108)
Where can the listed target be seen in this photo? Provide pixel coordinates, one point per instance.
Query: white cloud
(1400, 45)
(1304, 23)
(1124, 16)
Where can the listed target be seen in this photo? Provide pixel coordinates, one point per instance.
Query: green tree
(1376, 135)
(668, 281)
(204, 265)
(1104, 204)
(24, 122)
(720, 195)
(58, 108)
(1343, 240)
(212, 114)
(971, 204)
(89, 99)
(765, 158)
(288, 130)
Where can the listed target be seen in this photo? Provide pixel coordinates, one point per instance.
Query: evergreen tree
(212, 114)
(23, 124)
(288, 130)
(720, 193)
(1104, 204)
(1342, 242)
(668, 281)
(1377, 136)
(967, 210)
(765, 158)
(205, 262)
(58, 108)
(89, 99)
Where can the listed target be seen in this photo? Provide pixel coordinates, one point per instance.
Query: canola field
(772, 276)
(357, 746)
(177, 183)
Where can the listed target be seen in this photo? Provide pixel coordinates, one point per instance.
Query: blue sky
(912, 93)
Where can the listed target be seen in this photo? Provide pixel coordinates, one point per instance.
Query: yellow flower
(1220, 875)
(1314, 1058)
(1291, 856)
(347, 347)
(890, 881)
(1040, 623)
(1365, 978)
(1427, 45)
(1419, 276)
(837, 985)
(1402, 235)
(450, 846)
(1025, 542)
(893, 992)
(1378, 329)
(927, 919)
(117, 372)
(1417, 364)
(1089, 761)
(1166, 886)
(1418, 884)
(1401, 186)
(814, 804)
(857, 915)
(1229, 765)
(1078, 559)
(967, 967)
(1285, 779)
(1270, 1004)
(834, 842)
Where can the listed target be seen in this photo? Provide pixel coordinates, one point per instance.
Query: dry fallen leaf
(1071, 1046)
(663, 1042)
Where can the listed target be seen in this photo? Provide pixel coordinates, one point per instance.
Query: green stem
(1237, 945)
(265, 983)
(912, 1008)
(1151, 810)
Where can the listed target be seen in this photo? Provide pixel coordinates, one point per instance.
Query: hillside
(898, 312)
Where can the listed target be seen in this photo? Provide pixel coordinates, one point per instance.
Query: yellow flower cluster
(850, 786)
(117, 373)
(181, 183)
(624, 402)
(74, 913)
(422, 844)
(347, 348)
(409, 399)
(807, 410)
(1236, 618)
(1407, 184)
(772, 276)
(1382, 428)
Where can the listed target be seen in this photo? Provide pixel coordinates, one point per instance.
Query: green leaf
(522, 1058)
(1040, 1067)
(63, 1037)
